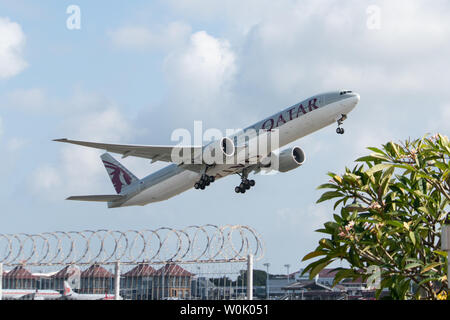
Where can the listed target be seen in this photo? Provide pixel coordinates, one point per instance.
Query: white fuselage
(15, 294)
(293, 123)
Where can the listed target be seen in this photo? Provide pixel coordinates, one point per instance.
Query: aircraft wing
(155, 153)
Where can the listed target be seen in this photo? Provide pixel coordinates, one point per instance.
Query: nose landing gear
(340, 130)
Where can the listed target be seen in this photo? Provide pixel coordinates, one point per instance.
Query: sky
(134, 72)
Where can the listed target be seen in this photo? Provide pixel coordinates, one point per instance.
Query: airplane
(29, 294)
(71, 295)
(193, 171)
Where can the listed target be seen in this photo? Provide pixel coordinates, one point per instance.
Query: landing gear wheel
(212, 179)
(196, 185)
(242, 190)
(251, 183)
(340, 130)
(202, 186)
(237, 190)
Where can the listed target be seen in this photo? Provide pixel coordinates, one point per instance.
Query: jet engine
(218, 151)
(288, 159)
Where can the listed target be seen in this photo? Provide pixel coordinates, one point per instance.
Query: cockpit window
(344, 92)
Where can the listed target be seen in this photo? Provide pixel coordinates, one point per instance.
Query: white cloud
(202, 71)
(439, 122)
(12, 43)
(156, 38)
(34, 99)
(311, 218)
(47, 178)
(79, 169)
(15, 144)
(308, 46)
(37, 100)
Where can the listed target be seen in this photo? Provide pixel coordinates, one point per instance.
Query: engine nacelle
(219, 151)
(288, 159)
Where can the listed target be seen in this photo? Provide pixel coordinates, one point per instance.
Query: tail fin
(120, 176)
(67, 289)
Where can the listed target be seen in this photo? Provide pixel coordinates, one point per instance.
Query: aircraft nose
(356, 98)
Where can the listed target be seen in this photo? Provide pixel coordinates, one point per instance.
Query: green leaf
(441, 253)
(378, 167)
(319, 267)
(326, 243)
(431, 266)
(329, 195)
(394, 223)
(412, 237)
(327, 185)
(314, 254)
(367, 159)
(412, 265)
(376, 150)
(441, 165)
(343, 274)
(431, 279)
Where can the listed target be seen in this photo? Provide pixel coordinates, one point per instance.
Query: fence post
(250, 277)
(1, 281)
(117, 281)
(445, 244)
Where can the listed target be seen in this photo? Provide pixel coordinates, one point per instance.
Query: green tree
(259, 277)
(391, 207)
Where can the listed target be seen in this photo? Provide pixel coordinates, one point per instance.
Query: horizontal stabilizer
(99, 198)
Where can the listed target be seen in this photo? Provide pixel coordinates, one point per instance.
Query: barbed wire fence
(197, 262)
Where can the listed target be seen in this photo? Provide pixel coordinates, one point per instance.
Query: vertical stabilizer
(120, 176)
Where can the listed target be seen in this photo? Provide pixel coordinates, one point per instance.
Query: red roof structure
(172, 269)
(96, 271)
(141, 270)
(19, 272)
(64, 273)
(327, 273)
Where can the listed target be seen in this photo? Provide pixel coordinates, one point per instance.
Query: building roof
(96, 271)
(44, 274)
(172, 269)
(307, 285)
(327, 273)
(19, 272)
(351, 281)
(65, 272)
(141, 270)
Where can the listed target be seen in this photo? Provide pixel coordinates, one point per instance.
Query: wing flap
(98, 198)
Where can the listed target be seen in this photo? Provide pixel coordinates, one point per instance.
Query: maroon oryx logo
(115, 174)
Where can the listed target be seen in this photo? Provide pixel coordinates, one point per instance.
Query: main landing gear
(245, 185)
(340, 130)
(204, 181)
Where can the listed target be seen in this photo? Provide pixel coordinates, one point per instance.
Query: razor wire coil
(194, 244)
